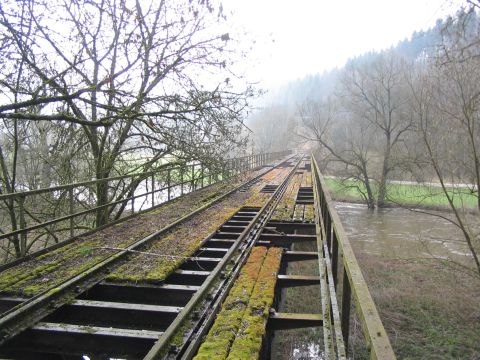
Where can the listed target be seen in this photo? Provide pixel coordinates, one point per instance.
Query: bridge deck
(152, 286)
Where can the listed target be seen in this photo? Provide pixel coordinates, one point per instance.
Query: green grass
(421, 195)
(429, 311)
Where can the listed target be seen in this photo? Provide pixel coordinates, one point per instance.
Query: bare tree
(445, 99)
(347, 142)
(144, 77)
(374, 93)
(366, 128)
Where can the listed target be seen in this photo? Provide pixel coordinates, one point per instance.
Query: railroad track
(135, 321)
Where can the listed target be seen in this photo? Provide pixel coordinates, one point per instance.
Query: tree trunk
(102, 199)
(15, 239)
(370, 198)
(382, 186)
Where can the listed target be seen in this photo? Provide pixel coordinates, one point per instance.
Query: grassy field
(429, 311)
(418, 195)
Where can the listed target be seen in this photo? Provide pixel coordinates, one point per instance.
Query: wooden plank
(192, 272)
(220, 243)
(179, 287)
(204, 259)
(287, 238)
(237, 222)
(126, 306)
(300, 255)
(297, 280)
(97, 330)
(372, 326)
(212, 249)
(284, 321)
(245, 213)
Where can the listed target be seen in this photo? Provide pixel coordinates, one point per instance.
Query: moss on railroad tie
(167, 253)
(286, 206)
(54, 267)
(45, 272)
(239, 328)
(258, 198)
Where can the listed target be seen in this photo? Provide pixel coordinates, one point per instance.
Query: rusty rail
(340, 266)
(68, 203)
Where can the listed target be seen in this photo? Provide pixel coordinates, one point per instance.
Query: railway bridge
(201, 264)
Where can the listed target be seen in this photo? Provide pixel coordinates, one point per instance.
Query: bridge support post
(70, 209)
(168, 185)
(346, 303)
(153, 190)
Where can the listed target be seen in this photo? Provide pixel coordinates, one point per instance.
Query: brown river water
(401, 233)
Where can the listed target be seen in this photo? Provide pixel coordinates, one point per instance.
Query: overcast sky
(299, 37)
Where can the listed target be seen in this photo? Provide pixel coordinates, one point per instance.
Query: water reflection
(401, 233)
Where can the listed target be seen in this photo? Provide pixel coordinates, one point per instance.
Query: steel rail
(32, 310)
(252, 232)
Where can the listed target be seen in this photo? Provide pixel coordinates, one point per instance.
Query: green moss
(286, 206)
(309, 214)
(43, 272)
(240, 326)
(178, 338)
(28, 281)
(228, 321)
(181, 242)
(248, 341)
(62, 275)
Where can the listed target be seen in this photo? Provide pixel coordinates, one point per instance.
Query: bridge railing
(34, 219)
(343, 270)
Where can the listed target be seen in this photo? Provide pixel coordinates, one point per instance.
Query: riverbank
(428, 196)
(429, 308)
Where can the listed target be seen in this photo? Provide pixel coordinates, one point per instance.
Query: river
(401, 233)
